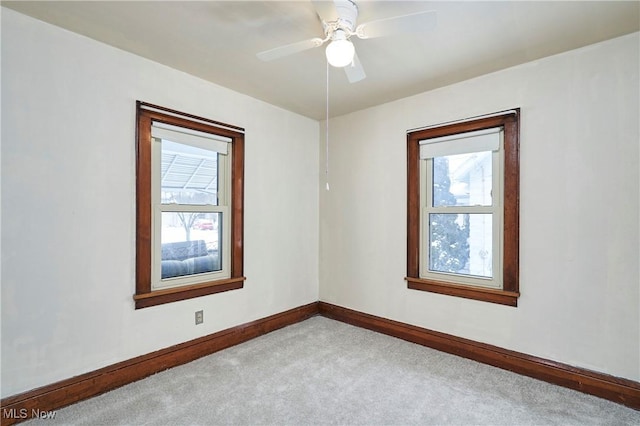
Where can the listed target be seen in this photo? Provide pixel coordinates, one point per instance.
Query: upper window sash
(222, 177)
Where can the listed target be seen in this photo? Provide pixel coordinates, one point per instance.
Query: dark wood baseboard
(21, 407)
(616, 389)
(48, 398)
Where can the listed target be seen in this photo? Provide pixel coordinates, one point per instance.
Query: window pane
(461, 244)
(462, 180)
(190, 243)
(188, 175)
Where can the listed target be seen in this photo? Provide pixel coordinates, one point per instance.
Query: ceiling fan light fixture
(340, 51)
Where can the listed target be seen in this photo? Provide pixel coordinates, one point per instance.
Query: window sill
(175, 294)
(490, 295)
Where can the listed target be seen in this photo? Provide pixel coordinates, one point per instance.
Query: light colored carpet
(322, 371)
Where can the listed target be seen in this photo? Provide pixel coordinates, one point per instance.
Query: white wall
(580, 186)
(68, 206)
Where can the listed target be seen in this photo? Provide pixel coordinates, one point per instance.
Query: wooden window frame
(145, 296)
(509, 293)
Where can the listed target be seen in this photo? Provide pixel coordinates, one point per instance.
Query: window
(463, 208)
(189, 206)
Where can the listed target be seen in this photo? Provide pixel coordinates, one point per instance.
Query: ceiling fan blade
(414, 22)
(355, 71)
(289, 49)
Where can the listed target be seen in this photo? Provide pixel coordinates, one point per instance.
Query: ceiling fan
(339, 18)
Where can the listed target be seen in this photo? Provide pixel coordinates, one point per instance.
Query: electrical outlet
(199, 317)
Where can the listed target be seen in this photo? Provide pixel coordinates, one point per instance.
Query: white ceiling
(218, 41)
